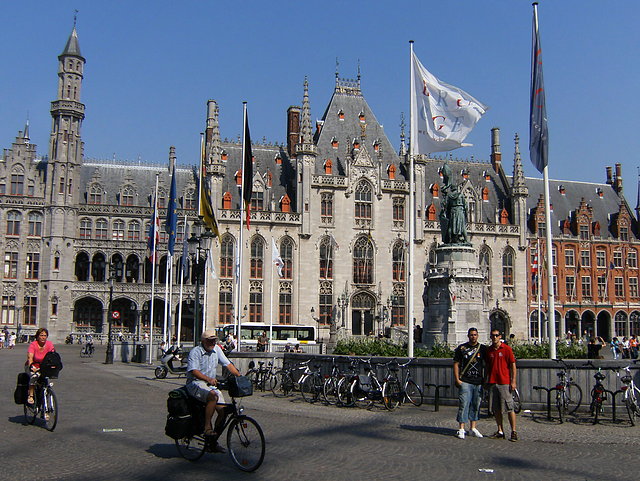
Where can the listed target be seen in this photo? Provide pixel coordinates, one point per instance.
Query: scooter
(171, 363)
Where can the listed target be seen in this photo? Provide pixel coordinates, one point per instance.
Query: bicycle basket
(626, 379)
(240, 386)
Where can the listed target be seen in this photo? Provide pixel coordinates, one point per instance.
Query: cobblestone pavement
(304, 442)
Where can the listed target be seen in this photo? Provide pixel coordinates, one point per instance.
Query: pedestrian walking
(468, 371)
(501, 378)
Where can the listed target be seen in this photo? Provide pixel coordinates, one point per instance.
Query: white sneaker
(460, 434)
(476, 433)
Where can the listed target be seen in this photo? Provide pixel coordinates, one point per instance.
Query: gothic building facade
(333, 199)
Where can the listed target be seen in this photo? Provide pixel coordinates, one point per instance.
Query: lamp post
(343, 302)
(392, 301)
(109, 356)
(199, 252)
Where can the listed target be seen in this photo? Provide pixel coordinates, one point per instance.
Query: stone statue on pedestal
(453, 212)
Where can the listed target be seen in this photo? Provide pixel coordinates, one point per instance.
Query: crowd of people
(7, 339)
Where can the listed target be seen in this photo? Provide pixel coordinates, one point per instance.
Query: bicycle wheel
(560, 405)
(391, 394)
(573, 397)
(30, 411)
(596, 405)
(160, 372)
(252, 374)
(330, 390)
(359, 396)
(245, 442)
(277, 384)
(311, 388)
(83, 352)
(517, 405)
(632, 407)
(50, 409)
(191, 448)
(344, 393)
(413, 393)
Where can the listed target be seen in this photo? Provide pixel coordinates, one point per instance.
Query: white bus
(282, 333)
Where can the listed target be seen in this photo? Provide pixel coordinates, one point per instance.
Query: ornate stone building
(334, 199)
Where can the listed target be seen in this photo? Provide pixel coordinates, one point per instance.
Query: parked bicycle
(87, 349)
(45, 405)
(410, 390)
(367, 389)
(261, 375)
(286, 380)
(631, 394)
(245, 439)
(599, 394)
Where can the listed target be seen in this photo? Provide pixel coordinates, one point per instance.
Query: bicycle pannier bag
(22, 388)
(51, 365)
(179, 420)
(240, 386)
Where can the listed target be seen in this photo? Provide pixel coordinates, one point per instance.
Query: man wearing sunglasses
(501, 377)
(201, 381)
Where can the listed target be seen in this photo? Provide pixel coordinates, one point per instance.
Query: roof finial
(337, 72)
(403, 147)
(75, 17)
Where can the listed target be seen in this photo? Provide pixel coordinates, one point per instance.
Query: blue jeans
(469, 399)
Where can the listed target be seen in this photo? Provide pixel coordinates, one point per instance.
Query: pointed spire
(25, 136)
(306, 114)
(72, 47)
(519, 186)
(214, 144)
(403, 145)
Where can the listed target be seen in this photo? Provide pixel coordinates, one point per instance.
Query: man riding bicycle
(201, 382)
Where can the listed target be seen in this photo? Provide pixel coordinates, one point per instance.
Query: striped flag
(538, 131)
(172, 214)
(275, 257)
(154, 233)
(247, 171)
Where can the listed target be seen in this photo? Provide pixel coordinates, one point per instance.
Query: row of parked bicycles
(341, 387)
(568, 394)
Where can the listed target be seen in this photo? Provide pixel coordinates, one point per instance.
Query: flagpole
(206, 285)
(153, 268)
(184, 239)
(240, 241)
(170, 309)
(273, 264)
(411, 209)
(538, 281)
(166, 299)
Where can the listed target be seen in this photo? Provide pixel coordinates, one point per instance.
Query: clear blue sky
(152, 65)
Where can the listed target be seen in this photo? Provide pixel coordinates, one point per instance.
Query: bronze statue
(453, 211)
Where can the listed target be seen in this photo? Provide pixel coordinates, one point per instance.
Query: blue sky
(152, 65)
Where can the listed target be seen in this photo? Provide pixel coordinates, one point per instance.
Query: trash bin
(141, 353)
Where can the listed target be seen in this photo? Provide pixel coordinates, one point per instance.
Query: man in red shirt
(501, 377)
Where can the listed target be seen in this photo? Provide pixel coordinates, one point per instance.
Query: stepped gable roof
(565, 205)
(283, 174)
(477, 170)
(348, 99)
(73, 45)
(113, 175)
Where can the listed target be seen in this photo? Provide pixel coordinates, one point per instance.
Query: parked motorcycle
(171, 363)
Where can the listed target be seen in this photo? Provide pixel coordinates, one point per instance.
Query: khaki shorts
(500, 398)
(200, 390)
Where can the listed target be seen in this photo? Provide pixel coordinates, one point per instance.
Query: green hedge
(385, 348)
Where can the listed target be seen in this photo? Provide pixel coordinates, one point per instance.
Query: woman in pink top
(35, 354)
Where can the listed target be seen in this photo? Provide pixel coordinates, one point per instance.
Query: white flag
(212, 264)
(441, 115)
(275, 257)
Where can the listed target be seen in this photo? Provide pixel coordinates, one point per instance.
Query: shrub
(384, 347)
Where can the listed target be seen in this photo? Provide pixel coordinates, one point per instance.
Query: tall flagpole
(539, 282)
(240, 237)
(206, 286)
(153, 268)
(273, 265)
(166, 300)
(411, 209)
(184, 237)
(170, 309)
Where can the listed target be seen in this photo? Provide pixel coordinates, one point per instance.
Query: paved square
(304, 442)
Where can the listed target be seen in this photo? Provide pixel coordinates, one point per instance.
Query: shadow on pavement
(429, 429)
(164, 451)
(18, 419)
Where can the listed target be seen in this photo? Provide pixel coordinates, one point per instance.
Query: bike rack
(613, 402)
(548, 390)
(436, 399)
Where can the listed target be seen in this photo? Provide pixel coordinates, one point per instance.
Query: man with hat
(201, 381)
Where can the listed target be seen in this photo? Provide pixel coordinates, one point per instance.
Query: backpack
(22, 388)
(179, 419)
(51, 365)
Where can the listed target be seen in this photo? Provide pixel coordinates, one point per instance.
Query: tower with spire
(519, 193)
(306, 153)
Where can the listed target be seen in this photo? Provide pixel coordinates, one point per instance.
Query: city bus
(283, 334)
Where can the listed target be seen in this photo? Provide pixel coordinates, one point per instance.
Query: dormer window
(127, 196)
(361, 117)
(561, 189)
(504, 217)
(356, 144)
(340, 115)
(487, 176)
(392, 172)
(334, 143)
(376, 146)
(226, 200)
(238, 178)
(269, 179)
(465, 174)
(485, 194)
(224, 156)
(435, 190)
(285, 203)
(600, 192)
(328, 167)
(584, 231)
(278, 159)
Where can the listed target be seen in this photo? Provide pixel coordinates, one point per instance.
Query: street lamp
(199, 251)
(112, 276)
(343, 302)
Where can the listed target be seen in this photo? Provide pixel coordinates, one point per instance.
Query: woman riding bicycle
(35, 354)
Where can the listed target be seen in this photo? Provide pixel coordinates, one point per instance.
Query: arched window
(399, 257)
(101, 228)
(162, 198)
(17, 184)
(95, 194)
(363, 201)
(226, 258)
(398, 212)
(485, 267)
(508, 273)
(286, 253)
(257, 257)
(133, 231)
(13, 222)
(128, 195)
(35, 224)
(98, 268)
(117, 264)
(82, 266)
(190, 199)
(132, 269)
(85, 228)
(118, 229)
(326, 208)
(363, 261)
(326, 258)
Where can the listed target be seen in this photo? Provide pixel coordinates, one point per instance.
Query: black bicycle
(599, 394)
(45, 404)
(87, 350)
(245, 439)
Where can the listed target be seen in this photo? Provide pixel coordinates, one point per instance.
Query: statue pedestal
(454, 297)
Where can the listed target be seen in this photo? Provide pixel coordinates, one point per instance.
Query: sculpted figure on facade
(453, 212)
